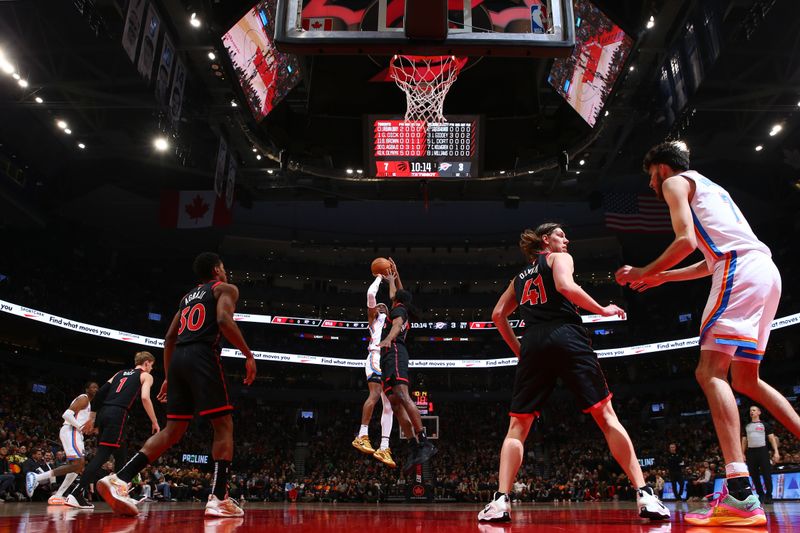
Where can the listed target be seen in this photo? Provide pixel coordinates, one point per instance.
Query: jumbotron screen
(586, 78)
(400, 149)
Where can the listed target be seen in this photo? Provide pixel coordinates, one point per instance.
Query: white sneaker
(77, 502)
(497, 510)
(222, 508)
(650, 506)
(30, 483)
(115, 492)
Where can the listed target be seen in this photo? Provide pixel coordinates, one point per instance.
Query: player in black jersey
(556, 345)
(114, 401)
(394, 367)
(193, 370)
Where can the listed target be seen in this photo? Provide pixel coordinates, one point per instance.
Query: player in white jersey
(746, 287)
(71, 435)
(376, 314)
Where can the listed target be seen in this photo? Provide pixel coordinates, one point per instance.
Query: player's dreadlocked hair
(204, 265)
(530, 240)
(672, 153)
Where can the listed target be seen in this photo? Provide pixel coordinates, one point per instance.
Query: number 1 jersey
(539, 301)
(198, 315)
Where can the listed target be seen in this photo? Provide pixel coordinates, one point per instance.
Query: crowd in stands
(281, 456)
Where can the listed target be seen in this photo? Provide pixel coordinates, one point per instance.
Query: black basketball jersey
(400, 311)
(125, 387)
(539, 301)
(198, 315)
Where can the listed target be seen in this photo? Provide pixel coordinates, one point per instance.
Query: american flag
(636, 213)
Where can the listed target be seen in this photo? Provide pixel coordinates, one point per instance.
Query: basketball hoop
(426, 81)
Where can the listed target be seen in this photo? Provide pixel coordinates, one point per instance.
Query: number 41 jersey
(539, 301)
(198, 316)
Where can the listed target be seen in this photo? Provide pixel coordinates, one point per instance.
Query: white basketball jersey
(375, 331)
(82, 416)
(718, 222)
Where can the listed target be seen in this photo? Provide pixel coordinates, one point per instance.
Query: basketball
(380, 265)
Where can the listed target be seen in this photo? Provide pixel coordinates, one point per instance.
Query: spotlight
(234, 104)
(254, 150)
(258, 156)
(349, 170)
(759, 148)
(212, 56)
(194, 21)
(582, 162)
(502, 172)
(5, 66)
(39, 100)
(23, 83)
(61, 124)
(359, 171)
(15, 76)
(606, 113)
(160, 144)
(81, 146)
(270, 171)
(68, 131)
(651, 23)
(631, 68)
(776, 129)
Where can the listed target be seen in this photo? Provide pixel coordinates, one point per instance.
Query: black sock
(134, 466)
(647, 489)
(498, 495)
(739, 487)
(219, 482)
(95, 466)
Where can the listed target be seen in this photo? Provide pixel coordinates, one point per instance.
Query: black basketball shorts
(394, 366)
(111, 423)
(196, 383)
(550, 353)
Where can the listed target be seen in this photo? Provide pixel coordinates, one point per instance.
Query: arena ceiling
(72, 56)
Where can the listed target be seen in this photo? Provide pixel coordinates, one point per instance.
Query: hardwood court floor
(362, 518)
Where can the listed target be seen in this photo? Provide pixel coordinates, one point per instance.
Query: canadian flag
(317, 24)
(193, 209)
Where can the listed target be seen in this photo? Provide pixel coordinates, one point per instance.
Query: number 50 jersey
(198, 316)
(539, 301)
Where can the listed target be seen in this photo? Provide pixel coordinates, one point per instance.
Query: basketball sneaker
(363, 444)
(222, 508)
(497, 510)
(384, 455)
(77, 501)
(115, 492)
(650, 506)
(725, 510)
(55, 500)
(30, 483)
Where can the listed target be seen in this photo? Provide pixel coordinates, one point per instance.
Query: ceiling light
(650, 23)
(606, 113)
(194, 21)
(270, 171)
(68, 131)
(254, 150)
(776, 129)
(349, 170)
(631, 68)
(258, 156)
(212, 56)
(61, 124)
(39, 100)
(81, 146)
(359, 171)
(759, 148)
(160, 144)
(582, 162)
(234, 104)
(15, 76)
(23, 83)
(5, 66)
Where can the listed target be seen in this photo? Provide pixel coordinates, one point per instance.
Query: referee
(757, 433)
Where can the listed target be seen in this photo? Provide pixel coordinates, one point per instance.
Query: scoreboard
(411, 149)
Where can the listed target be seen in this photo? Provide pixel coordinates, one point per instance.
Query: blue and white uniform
(71, 436)
(746, 284)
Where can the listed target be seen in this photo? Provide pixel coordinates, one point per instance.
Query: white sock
(44, 477)
(68, 479)
(387, 419)
(363, 431)
(736, 470)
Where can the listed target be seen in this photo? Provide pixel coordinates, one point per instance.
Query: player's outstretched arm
(563, 267)
(227, 296)
(504, 307)
(695, 271)
(398, 283)
(372, 298)
(147, 403)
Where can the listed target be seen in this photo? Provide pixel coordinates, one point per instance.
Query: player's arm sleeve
(100, 397)
(372, 293)
(69, 418)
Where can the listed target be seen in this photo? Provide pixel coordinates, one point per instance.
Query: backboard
(534, 28)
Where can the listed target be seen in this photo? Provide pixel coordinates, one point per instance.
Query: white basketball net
(426, 81)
